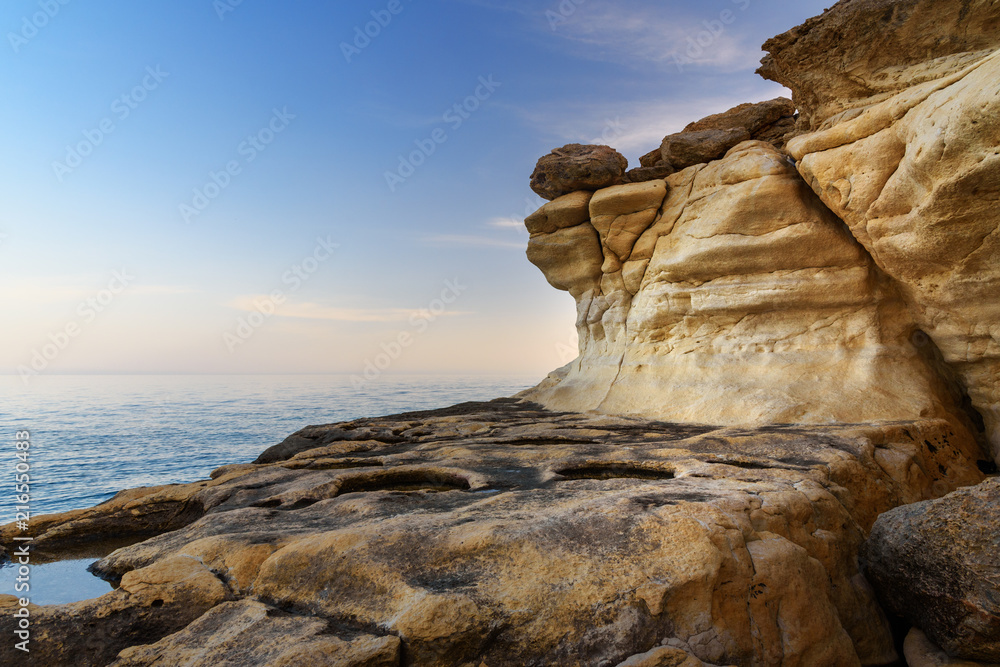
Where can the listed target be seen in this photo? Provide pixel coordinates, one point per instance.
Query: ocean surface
(92, 436)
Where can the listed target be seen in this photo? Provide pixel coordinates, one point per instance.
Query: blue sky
(175, 174)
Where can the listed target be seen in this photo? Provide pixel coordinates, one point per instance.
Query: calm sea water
(92, 436)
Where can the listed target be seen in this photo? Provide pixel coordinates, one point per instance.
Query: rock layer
(502, 534)
(905, 149)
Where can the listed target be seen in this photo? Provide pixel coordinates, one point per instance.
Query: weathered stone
(577, 167)
(252, 634)
(153, 601)
(690, 148)
(754, 118)
(643, 174)
(937, 564)
(912, 164)
(739, 301)
(862, 51)
(920, 652)
(502, 534)
(651, 159)
(663, 656)
(566, 211)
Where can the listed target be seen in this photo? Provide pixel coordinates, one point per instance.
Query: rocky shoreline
(777, 447)
(471, 534)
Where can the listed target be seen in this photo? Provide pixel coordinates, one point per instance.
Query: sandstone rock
(567, 211)
(152, 602)
(250, 634)
(861, 51)
(920, 652)
(937, 564)
(643, 174)
(913, 165)
(739, 301)
(685, 149)
(503, 534)
(754, 118)
(663, 656)
(577, 167)
(572, 258)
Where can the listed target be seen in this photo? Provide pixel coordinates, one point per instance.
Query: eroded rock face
(577, 167)
(503, 534)
(862, 51)
(730, 294)
(905, 148)
(937, 564)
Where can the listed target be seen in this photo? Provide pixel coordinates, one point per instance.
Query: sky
(242, 186)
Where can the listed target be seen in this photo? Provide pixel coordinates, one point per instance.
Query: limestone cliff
(730, 293)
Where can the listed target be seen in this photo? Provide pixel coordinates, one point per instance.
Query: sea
(93, 435)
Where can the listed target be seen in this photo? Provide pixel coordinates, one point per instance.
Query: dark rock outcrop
(577, 167)
(937, 564)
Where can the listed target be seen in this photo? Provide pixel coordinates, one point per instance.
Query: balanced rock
(577, 167)
(685, 149)
(937, 564)
(905, 149)
(767, 121)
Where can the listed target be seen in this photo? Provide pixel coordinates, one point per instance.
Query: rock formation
(577, 167)
(937, 564)
(789, 326)
(502, 534)
(746, 298)
(903, 144)
(729, 294)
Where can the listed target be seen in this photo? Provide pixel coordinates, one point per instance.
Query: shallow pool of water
(55, 583)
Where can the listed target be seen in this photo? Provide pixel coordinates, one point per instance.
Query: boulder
(754, 118)
(644, 174)
(920, 652)
(577, 167)
(937, 564)
(685, 149)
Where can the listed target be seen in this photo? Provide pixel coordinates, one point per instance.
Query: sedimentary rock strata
(730, 294)
(904, 146)
(502, 534)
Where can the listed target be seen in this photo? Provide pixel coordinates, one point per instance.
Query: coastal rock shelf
(501, 533)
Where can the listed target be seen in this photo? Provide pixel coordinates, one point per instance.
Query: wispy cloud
(316, 311)
(641, 125)
(641, 34)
